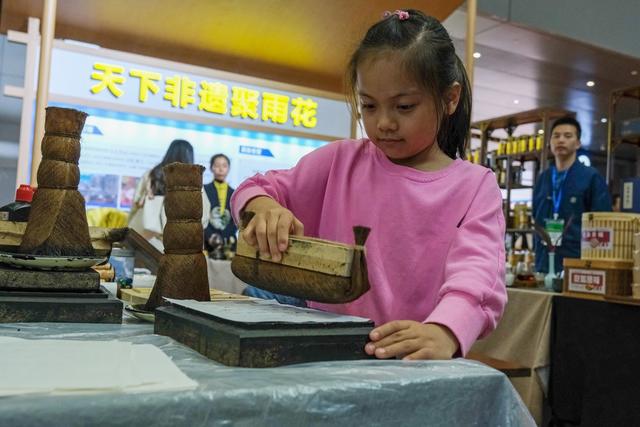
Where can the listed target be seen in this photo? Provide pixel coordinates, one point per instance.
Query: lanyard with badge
(555, 226)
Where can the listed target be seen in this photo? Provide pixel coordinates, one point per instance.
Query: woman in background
(152, 185)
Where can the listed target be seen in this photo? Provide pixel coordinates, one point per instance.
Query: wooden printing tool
(311, 269)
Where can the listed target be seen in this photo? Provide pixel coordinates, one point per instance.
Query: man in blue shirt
(563, 192)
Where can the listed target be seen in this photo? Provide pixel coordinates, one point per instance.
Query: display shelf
(627, 139)
(520, 230)
(517, 187)
(506, 163)
(613, 139)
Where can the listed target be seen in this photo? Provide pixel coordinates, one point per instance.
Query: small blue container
(123, 261)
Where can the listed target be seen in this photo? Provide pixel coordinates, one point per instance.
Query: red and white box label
(600, 238)
(587, 281)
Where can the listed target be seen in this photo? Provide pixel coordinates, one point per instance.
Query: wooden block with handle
(310, 268)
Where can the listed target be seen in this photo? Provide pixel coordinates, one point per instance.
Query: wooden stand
(262, 345)
(65, 307)
(55, 296)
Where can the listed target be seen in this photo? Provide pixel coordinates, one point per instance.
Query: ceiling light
(515, 101)
(591, 83)
(477, 55)
(540, 131)
(603, 120)
(634, 72)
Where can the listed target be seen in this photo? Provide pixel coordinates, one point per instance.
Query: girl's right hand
(269, 229)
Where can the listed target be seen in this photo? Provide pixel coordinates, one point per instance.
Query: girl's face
(399, 116)
(220, 169)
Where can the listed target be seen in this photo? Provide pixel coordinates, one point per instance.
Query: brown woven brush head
(183, 236)
(183, 268)
(57, 174)
(183, 175)
(57, 225)
(64, 121)
(63, 148)
(180, 277)
(183, 204)
(58, 222)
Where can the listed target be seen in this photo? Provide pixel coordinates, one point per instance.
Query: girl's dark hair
(217, 156)
(430, 58)
(179, 151)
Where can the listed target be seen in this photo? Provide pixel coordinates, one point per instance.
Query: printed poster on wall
(118, 148)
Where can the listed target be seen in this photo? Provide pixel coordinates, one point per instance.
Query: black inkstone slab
(262, 345)
(17, 279)
(67, 307)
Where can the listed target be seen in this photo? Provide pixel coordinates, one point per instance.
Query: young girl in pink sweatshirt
(436, 250)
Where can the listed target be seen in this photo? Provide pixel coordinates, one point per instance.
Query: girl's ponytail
(453, 135)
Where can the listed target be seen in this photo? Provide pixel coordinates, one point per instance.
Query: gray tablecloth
(368, 392)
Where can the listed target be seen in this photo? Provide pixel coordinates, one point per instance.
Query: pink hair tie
(402, 14)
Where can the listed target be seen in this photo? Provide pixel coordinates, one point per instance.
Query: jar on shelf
(522, 144)
(514, 146)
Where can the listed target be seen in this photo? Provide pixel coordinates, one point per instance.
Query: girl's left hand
(411, 340)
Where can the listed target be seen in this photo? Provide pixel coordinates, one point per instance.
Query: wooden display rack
(509, 123)
(613, 138)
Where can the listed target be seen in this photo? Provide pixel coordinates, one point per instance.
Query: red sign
(589, 281)
(598, 238)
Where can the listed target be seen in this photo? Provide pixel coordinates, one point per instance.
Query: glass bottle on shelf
(509, 276)
(548, 279)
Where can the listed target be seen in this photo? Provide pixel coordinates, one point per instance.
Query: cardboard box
(611, 278)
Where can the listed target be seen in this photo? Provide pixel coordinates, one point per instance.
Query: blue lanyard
(557, 196)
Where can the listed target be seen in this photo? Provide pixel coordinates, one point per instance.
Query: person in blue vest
(562, 193)
(221, 230)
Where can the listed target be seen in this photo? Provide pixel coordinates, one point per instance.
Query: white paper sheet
(261, 311)
(67, 366)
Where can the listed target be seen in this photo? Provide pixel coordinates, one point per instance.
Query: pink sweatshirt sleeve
(473, 296)
(300, 189)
